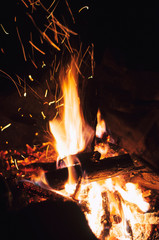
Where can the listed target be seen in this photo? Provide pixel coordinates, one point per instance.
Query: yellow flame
(101, 126)
(70, 188)
(134, 195)
(96, 208)
(72, 134)
(126, 219)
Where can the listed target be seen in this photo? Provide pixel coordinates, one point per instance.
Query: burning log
(107, 167)
(106, 217)
(95, 170)
(88, 163)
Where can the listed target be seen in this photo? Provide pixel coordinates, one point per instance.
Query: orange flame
(101, 126)
(71, 133)
(134, 195)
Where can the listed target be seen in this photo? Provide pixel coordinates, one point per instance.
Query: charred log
(94, 170)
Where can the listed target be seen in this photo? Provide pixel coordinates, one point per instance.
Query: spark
(43, 64)
(83, 54)
(92, 59)
(41, 40)
(32, 49)
(50, 41)
(85, 7)
(25, 88)
(30, 115)
(33, 63)
(24, 3)
(3, 128)
(78, 69)
(57, 67)
(55, 22)
(37, 3)
(52, 10)
(46, 92)
(36, 48)
(54, 63)
(51, 5)
(56, 101)
(48, 85)
(63, 40)
(70, 11)
(69, 46)
(19, 79)
(47, 149)
(4, 30)
(21, 44)
(30, 77)
(11, 160)
(43, 115)
(55, 31)
(56, 115)
(32, 4)
(43, 33)
(15, 161)
(63, 28)
(2, 50)
(36, 94)
(12, 81)
(58, 106)
(51, 103)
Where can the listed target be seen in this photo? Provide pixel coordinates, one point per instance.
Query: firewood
(94, 170)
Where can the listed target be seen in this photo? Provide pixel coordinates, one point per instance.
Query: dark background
(125, 85)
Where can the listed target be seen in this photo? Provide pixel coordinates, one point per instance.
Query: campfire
(101, 178)
(115, 207)
(116, 191)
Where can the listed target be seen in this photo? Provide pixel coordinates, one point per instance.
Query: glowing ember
(111, 213)
(70, 188)
(133, 195)
(96, 208)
